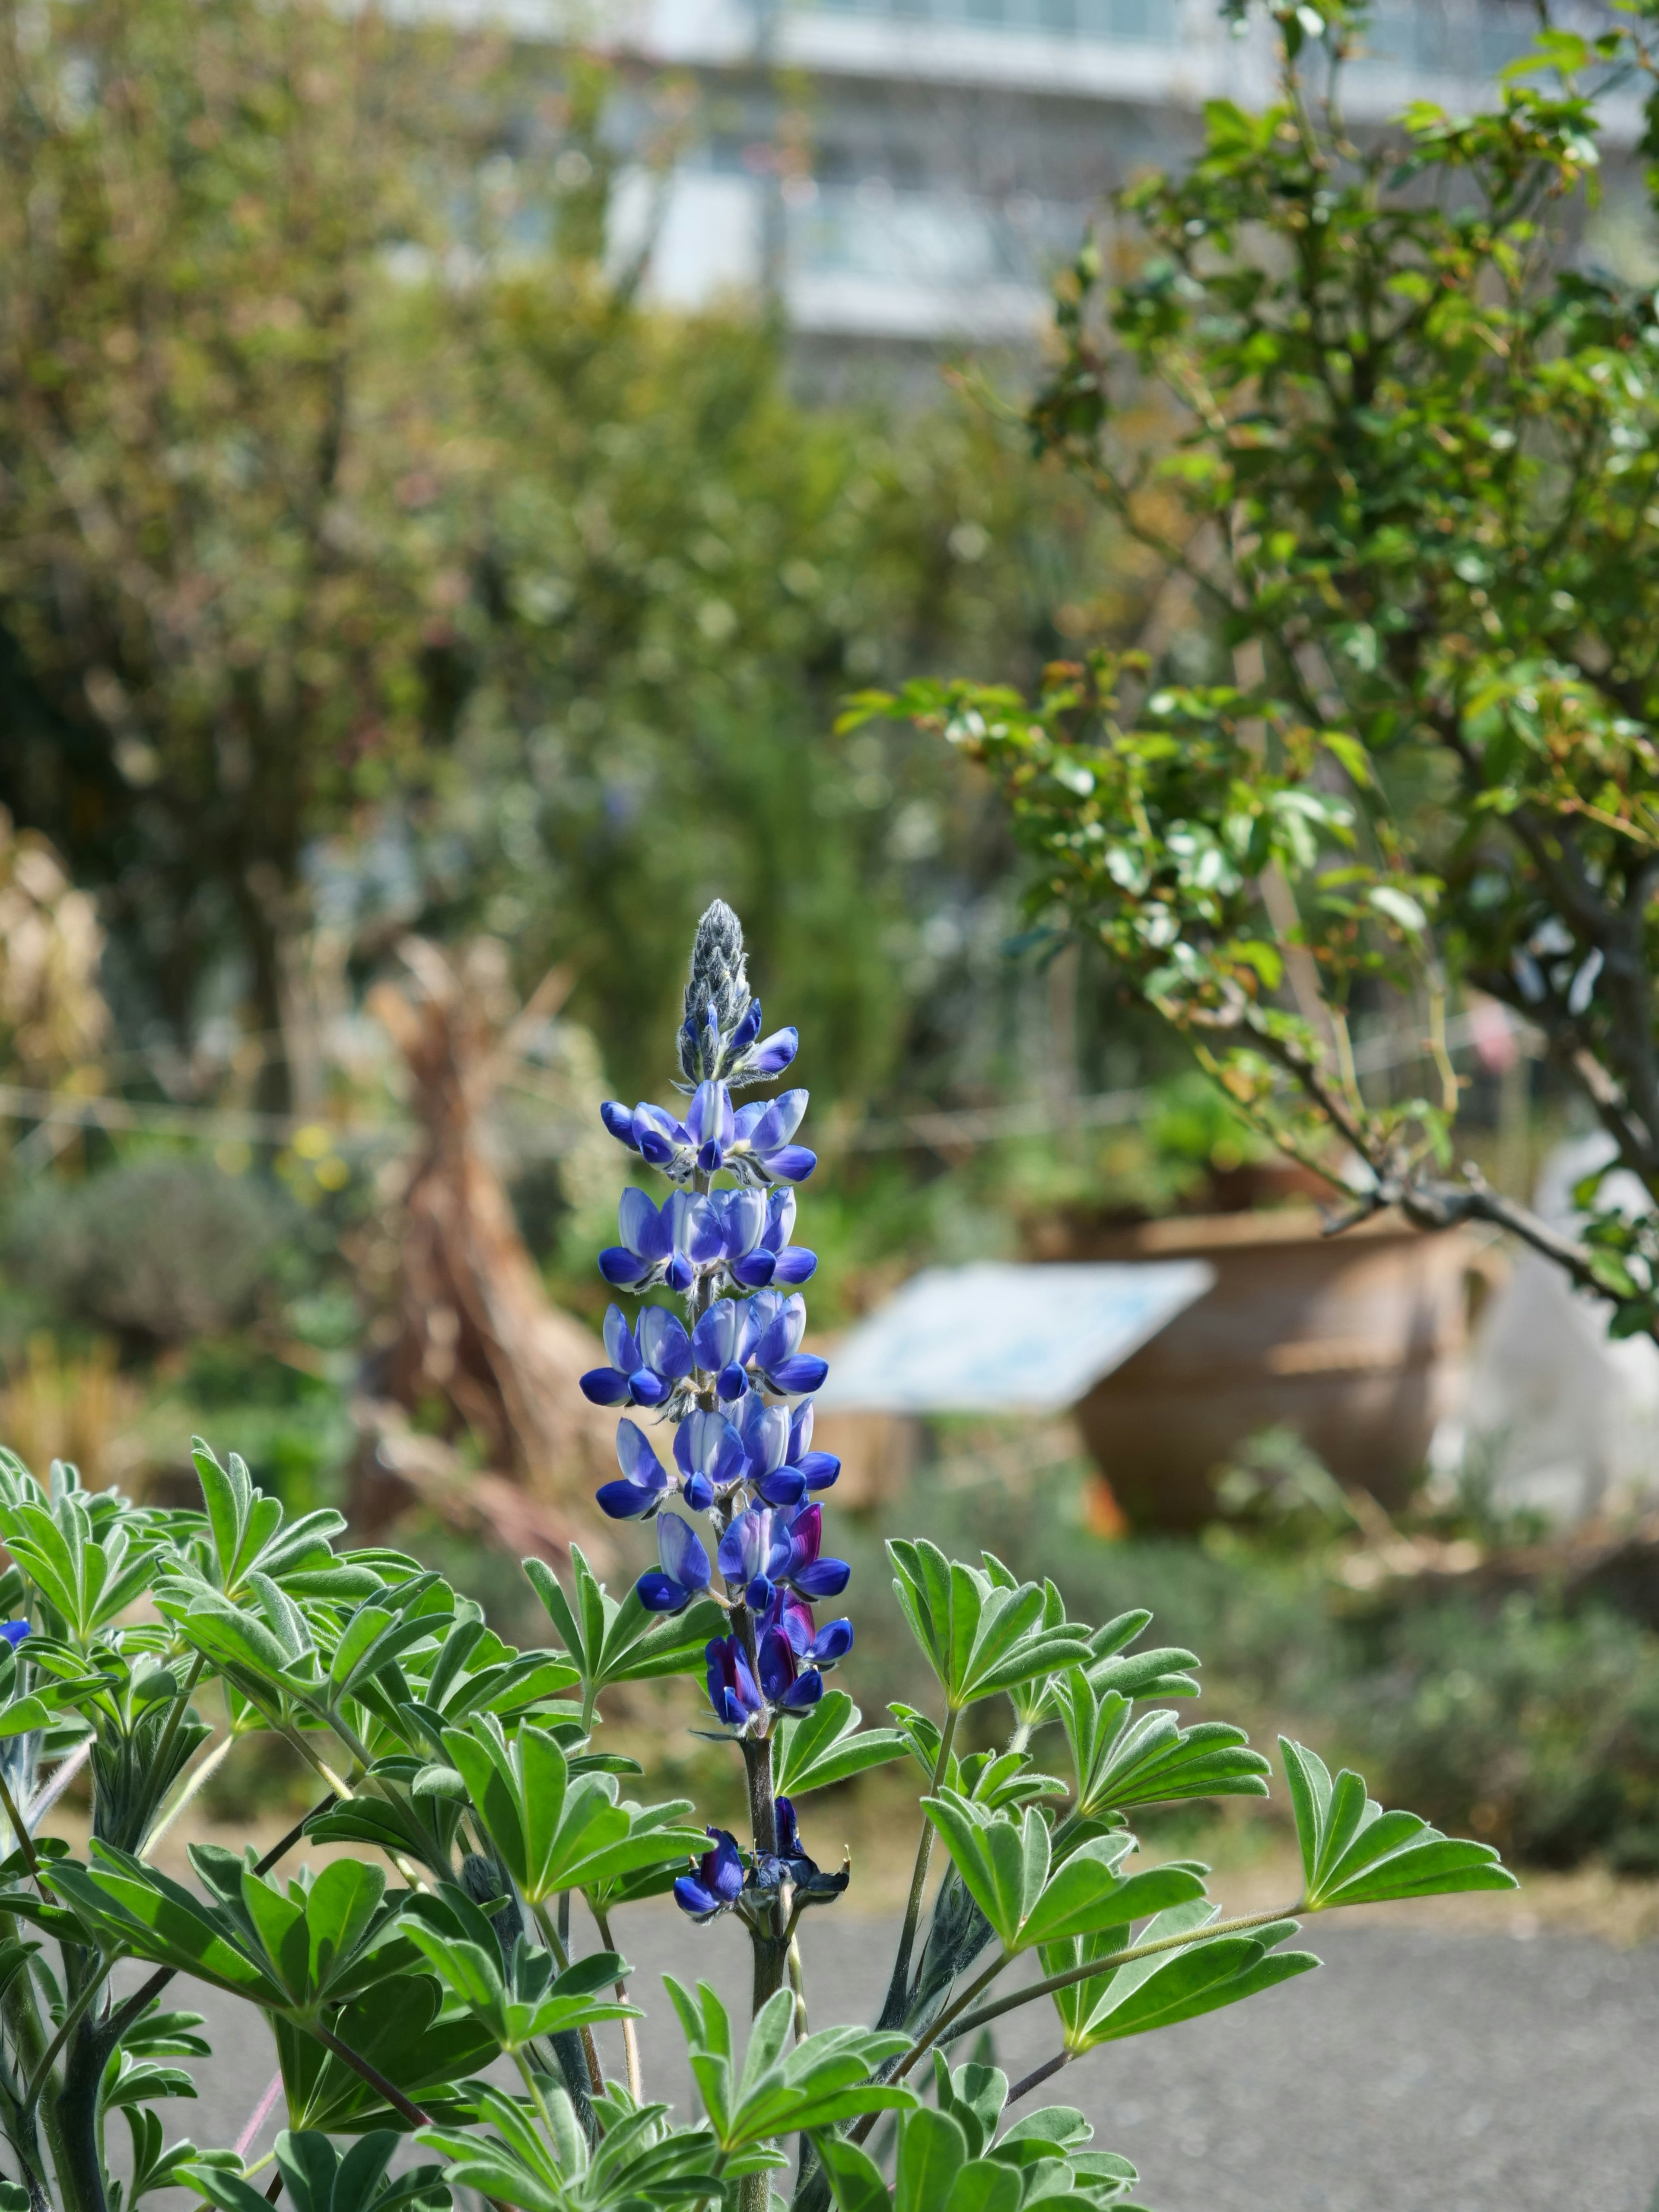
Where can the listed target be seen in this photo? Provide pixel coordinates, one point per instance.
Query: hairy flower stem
(371, 2074)
(893, 2009)
(24, 1841)
(630, 2040)
(771, 1952)
(1038, 2075)
(560, 1949)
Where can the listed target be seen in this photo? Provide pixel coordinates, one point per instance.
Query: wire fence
(942, 1130)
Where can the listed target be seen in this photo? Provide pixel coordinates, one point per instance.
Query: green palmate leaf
(415, 2042)
(87, 1576)
(979, 1632)
(823, 2080)
(825, 1746)
(319, 1942)
(931, 2151)
(317, 2179)
(1119, 1761)
(620, 1643)
(555, 1832)
(973, 2096)
(245, 1530)
(639, 2161)
(1157, 1990)
(947, 2162)
(1354, 1853)
(527, 1998)
(1006, 1863)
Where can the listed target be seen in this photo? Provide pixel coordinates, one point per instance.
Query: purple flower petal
(605, 1386)
(658, 1594)
(774, 1053)
(790, 1162)
(681, 1552)
(641, 1227)
(624, 1500)
(805, 1371)
(832, 1642)
(619, 1121)
(824, 1578)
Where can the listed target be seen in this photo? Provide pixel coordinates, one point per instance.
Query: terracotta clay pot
(1353, 1341)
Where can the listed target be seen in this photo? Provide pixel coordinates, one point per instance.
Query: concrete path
(1417, 2072)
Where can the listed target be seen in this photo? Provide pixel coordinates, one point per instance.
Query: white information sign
(998, 1338)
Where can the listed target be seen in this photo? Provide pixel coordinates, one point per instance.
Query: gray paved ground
(1418, 2072)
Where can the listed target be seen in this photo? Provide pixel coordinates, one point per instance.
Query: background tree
(1413, 467)
(211, 613)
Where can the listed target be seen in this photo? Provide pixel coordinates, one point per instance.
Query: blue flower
(785, 1685)
(709, 1454)
(645, 1480)
(765, 1432)
(732, 1691)
(819, 1468)
(711, 1125)
(673, 1246)
(654, 1133)
(811, 1577)
(831, 1644)
(644, 1367)
(792, 1617)
(684, 1571)
(761, 1151)
(718, 1882)
(14, 1632)
(753, 1552)
(758, 1227)
(769, 1341)
(790, 1862)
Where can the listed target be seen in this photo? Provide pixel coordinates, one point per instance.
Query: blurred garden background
(411, 615)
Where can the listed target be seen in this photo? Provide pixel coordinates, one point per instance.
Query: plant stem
(1041, 2074)
(371, 2074)
(1095, 1970)
(630, 2040)
(590, 2054)
(24, 1841)
(798, 1983)
(258, 2117)
(164, 1749)
(61, 1775)
(952, 2021)
(898, 1987)
(145, 1995)
(95, 1982)
(527, 2073)
(210, 1765)
(771, 1952)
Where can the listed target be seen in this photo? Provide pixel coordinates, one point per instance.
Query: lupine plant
(433, 1981)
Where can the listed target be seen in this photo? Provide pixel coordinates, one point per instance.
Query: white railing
(1151, 23)
(936, 239)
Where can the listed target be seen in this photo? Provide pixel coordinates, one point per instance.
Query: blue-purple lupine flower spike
(737, 1387)
(14, 1632)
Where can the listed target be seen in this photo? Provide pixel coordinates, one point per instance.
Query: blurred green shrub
(161, 1249)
